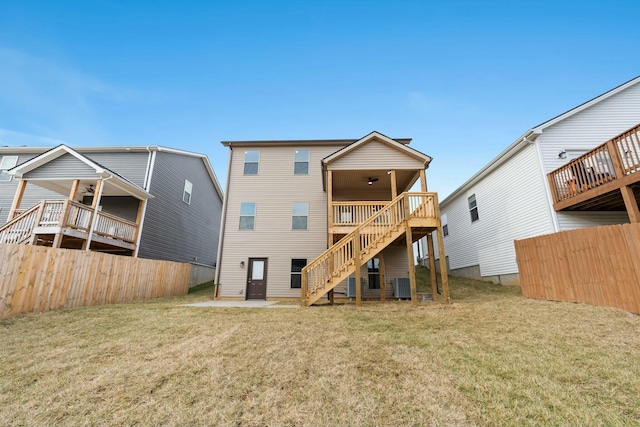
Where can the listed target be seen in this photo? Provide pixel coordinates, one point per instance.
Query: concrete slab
(243, 304)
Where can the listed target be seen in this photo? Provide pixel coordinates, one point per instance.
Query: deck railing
(354, 213)
(319, 275)
(66, 214)
(616, 158)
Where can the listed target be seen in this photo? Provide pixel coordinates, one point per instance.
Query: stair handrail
(5, 228)
(367, 240)
(19, 217)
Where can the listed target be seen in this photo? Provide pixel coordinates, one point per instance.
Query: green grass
(490, 358)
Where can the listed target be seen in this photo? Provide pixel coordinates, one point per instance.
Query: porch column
(443, 261)
(423, 181)
(409, 239)
(630, 203)
(74, 189)
(356, 259)
(97, 195)
(329, 208)
(383, 295)
(432, 267)
(17, 198)
(394, 187)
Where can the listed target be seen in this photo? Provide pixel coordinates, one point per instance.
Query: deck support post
(443, 260)
(383, 295)
(410, 259)
(330, 220)
(630, 203)
(356, 260)
(17, 199)
(432, 267)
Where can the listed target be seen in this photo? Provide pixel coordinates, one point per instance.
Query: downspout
(147, 184)
(223, 224)
(547, 190)
(95, 212)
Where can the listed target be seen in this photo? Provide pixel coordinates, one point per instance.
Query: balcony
(73, 223)
(603, 179)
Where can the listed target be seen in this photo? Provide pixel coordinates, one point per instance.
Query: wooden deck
(71, 222)
(603, 179)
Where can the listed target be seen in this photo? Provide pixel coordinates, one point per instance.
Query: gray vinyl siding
(273, 190)
(132, 166)
(375, 155)
(174, 230)
(123, 206)
(65, 166)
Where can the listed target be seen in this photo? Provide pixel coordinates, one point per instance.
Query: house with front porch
(151, 202)
(305, 219)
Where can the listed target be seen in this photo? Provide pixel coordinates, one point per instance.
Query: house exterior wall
(375, 155)
(65, 166)
(174, 230)
(273, 190)
(129, 165)
(512, 204)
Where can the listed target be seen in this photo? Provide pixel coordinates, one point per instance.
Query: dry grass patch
(491, 358)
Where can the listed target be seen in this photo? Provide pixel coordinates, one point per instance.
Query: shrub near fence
(37, 278)
(597, 265)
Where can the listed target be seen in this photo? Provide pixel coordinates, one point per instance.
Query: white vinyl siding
(514, 206)
(273, 237)
(6, 163)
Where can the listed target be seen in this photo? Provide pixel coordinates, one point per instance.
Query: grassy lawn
(490, 358)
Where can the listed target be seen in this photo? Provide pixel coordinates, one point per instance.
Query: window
(186, 193)
(373, 265)
(473, 208)
(247, 216)
(445, 226)
(6, 163)
(300, 215)
(301, 162)
(251, 159)
(296, 272)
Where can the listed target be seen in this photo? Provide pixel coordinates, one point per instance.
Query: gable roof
(101, 171)
(531, 135)
(378, 137)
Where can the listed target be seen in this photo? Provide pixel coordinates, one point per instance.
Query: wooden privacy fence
(597, 265)
(37, 278)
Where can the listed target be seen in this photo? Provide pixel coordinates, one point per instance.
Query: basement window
(6, 163)
(297, 264)
(473, 208)
(186, 193)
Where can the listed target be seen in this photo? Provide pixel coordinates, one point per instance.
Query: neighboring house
(525, 190)
(288, 201)
(152, 202)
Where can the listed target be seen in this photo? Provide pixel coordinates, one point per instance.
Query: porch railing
(616, 158)
(354, 213)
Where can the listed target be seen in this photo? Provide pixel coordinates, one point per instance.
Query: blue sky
(464, 79)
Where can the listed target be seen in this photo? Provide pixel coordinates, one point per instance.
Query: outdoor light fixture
(241, 263)
(562, 154)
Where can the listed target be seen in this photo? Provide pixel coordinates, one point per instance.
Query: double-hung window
(445, 225)
(297, 264)
(251, 160)
(247, 216)
(300, 214)
(6, 163)
(473, 208)
(186, 193)
(301, 162)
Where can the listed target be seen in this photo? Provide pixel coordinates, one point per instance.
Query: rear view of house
(151, 202)
(572, 171)
(303, 219)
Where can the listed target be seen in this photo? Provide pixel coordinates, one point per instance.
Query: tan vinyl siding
(273, 190)
(375, 155)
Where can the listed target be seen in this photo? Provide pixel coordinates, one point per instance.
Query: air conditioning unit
(402, 288)
(351, 287)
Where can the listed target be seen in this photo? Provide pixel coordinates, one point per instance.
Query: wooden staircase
(366, 241)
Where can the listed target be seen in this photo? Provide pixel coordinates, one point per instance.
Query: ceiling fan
(372, 179)
(88, 189)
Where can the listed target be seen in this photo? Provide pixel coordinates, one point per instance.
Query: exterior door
(257, 279)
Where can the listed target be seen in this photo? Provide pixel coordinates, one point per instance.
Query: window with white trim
(445, 225)
(473, 208)
(301, 162)
(186, 193)
(6, 163)
(247, 216)
(300, 215)
(251, 161)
